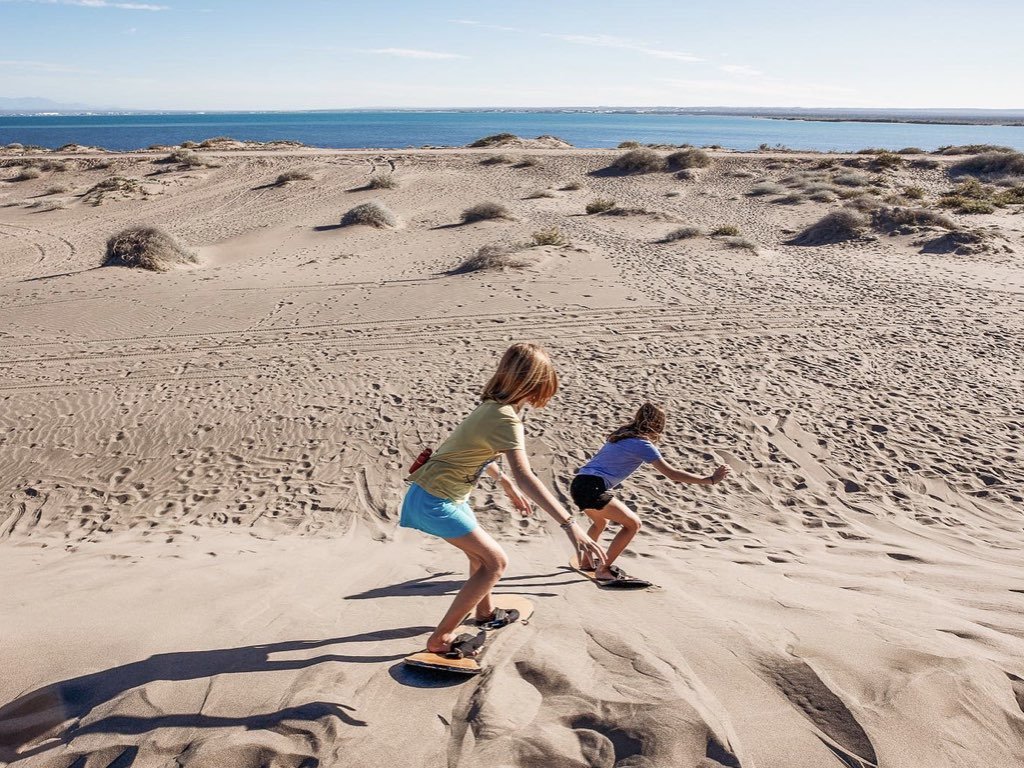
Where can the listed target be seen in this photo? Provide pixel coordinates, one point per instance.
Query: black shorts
(590, 492)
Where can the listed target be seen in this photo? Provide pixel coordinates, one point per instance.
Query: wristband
(567, 523)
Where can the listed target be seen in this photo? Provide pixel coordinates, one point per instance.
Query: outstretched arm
(531, 485)
(519, 501)
(679, 476)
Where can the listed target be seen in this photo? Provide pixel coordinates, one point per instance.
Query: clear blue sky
(203, 54)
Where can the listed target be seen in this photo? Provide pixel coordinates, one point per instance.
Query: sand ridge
(202, 471)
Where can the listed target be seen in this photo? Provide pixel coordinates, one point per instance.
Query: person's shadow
(434, 585)
(48, 710)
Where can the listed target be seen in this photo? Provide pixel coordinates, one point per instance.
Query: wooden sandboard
(632, 583)
(471, 665)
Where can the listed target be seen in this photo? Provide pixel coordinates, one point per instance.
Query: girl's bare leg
(476, 591)
(616, 512)
(597, 527)
(485, 608)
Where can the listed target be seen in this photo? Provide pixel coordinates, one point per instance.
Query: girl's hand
(521, 503)
(585, 547)
(720, 474)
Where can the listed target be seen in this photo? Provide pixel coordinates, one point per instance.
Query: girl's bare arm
(679, 476)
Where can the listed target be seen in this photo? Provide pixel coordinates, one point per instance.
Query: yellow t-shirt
(453, 469)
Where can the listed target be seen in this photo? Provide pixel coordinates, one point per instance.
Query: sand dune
(202, 470)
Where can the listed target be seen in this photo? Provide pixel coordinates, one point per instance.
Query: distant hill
(36, 104)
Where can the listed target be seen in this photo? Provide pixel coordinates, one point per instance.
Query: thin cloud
(96, 4)
(413, 53)
(610, 41)
(741, 69)
(758, 88)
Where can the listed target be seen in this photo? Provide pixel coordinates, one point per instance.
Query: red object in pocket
(421, 459)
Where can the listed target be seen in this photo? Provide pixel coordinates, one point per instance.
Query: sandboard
(470, 665)
(631, 583)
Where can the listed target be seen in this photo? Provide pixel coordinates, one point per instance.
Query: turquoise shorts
(438, 517)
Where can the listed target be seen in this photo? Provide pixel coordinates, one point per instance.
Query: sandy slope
(201, 471)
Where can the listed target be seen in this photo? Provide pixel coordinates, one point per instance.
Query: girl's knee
(632, 523)
(495, 562)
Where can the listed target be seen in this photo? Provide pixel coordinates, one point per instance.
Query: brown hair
(648, 424)
(524, 375)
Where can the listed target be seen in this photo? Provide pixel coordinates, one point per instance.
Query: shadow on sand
(434, 586)
(56, 707)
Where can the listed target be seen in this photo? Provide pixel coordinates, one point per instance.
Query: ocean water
(396, 129)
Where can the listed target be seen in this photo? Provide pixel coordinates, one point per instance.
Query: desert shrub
(793, 198)
(822, 196)
(913, 193)
(527, 162)
(189, 144)
(496, 160)
(572, 186)
(371, 213)
(885, 161)
(904, 220)
(688, 158)
(972, 188)
(990, 164)
(962, 242)
(115, 184)
(835, 227)
(146, 248)
(207, 143)
(725, 230)
(962, 204)
(600, 205)
(551, 236)
(28, 173)
(382, 181)
(57, 189)
(494, 257)
(869, 151)
(910, 151)
(925, 163)
(490, 141)
(851, 179)
(742, 174)
(683, 233)
(740, 242)
(537, 194)
(688, 174)
(57, 166)
(183, 157)
(293, 175)
(484, 211)
(629, 145)
(970, 149)
(863, 202)
(1012, 196)
(639, 161)
(766, 188)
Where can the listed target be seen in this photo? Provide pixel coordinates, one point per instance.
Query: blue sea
(398, 129)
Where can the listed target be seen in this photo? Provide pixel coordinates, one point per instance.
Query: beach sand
(202, 470)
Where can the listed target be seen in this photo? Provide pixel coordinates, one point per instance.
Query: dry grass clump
(835, 227)
(527, 162)
(967, 204)
(496, 160)
(740, 242)
(971, 196)
(913, 193)
(864, 202)
(910, 151)
(146, 248)
(629, 145)
(382, 181)
(485, 211)
(962, 242)
(766, 188)
(600, 205)
(293, 175)
(822, 196)
(97, 193)
(990, 164)
(688, 174)
(725, 230)
(56, 166)
(552, 236)
(897, 220)
(793, 198)
(536, 195)
(572, 186)
(492, 140)
(683, 233)
(688, 158)
(925, 164)
(28, 173)
(56, 189)
(741, 174)
(185, 158)
(970, 149)
(207, 143)
(189, 144)
(851, 179)
(371, 213)
(638, 161)
(1012, 196)
(885, 161)
(489, 257)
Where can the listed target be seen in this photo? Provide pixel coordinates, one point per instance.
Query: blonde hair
(525, 375)
(648, 424)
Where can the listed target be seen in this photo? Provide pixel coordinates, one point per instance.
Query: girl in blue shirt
(628, 447)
